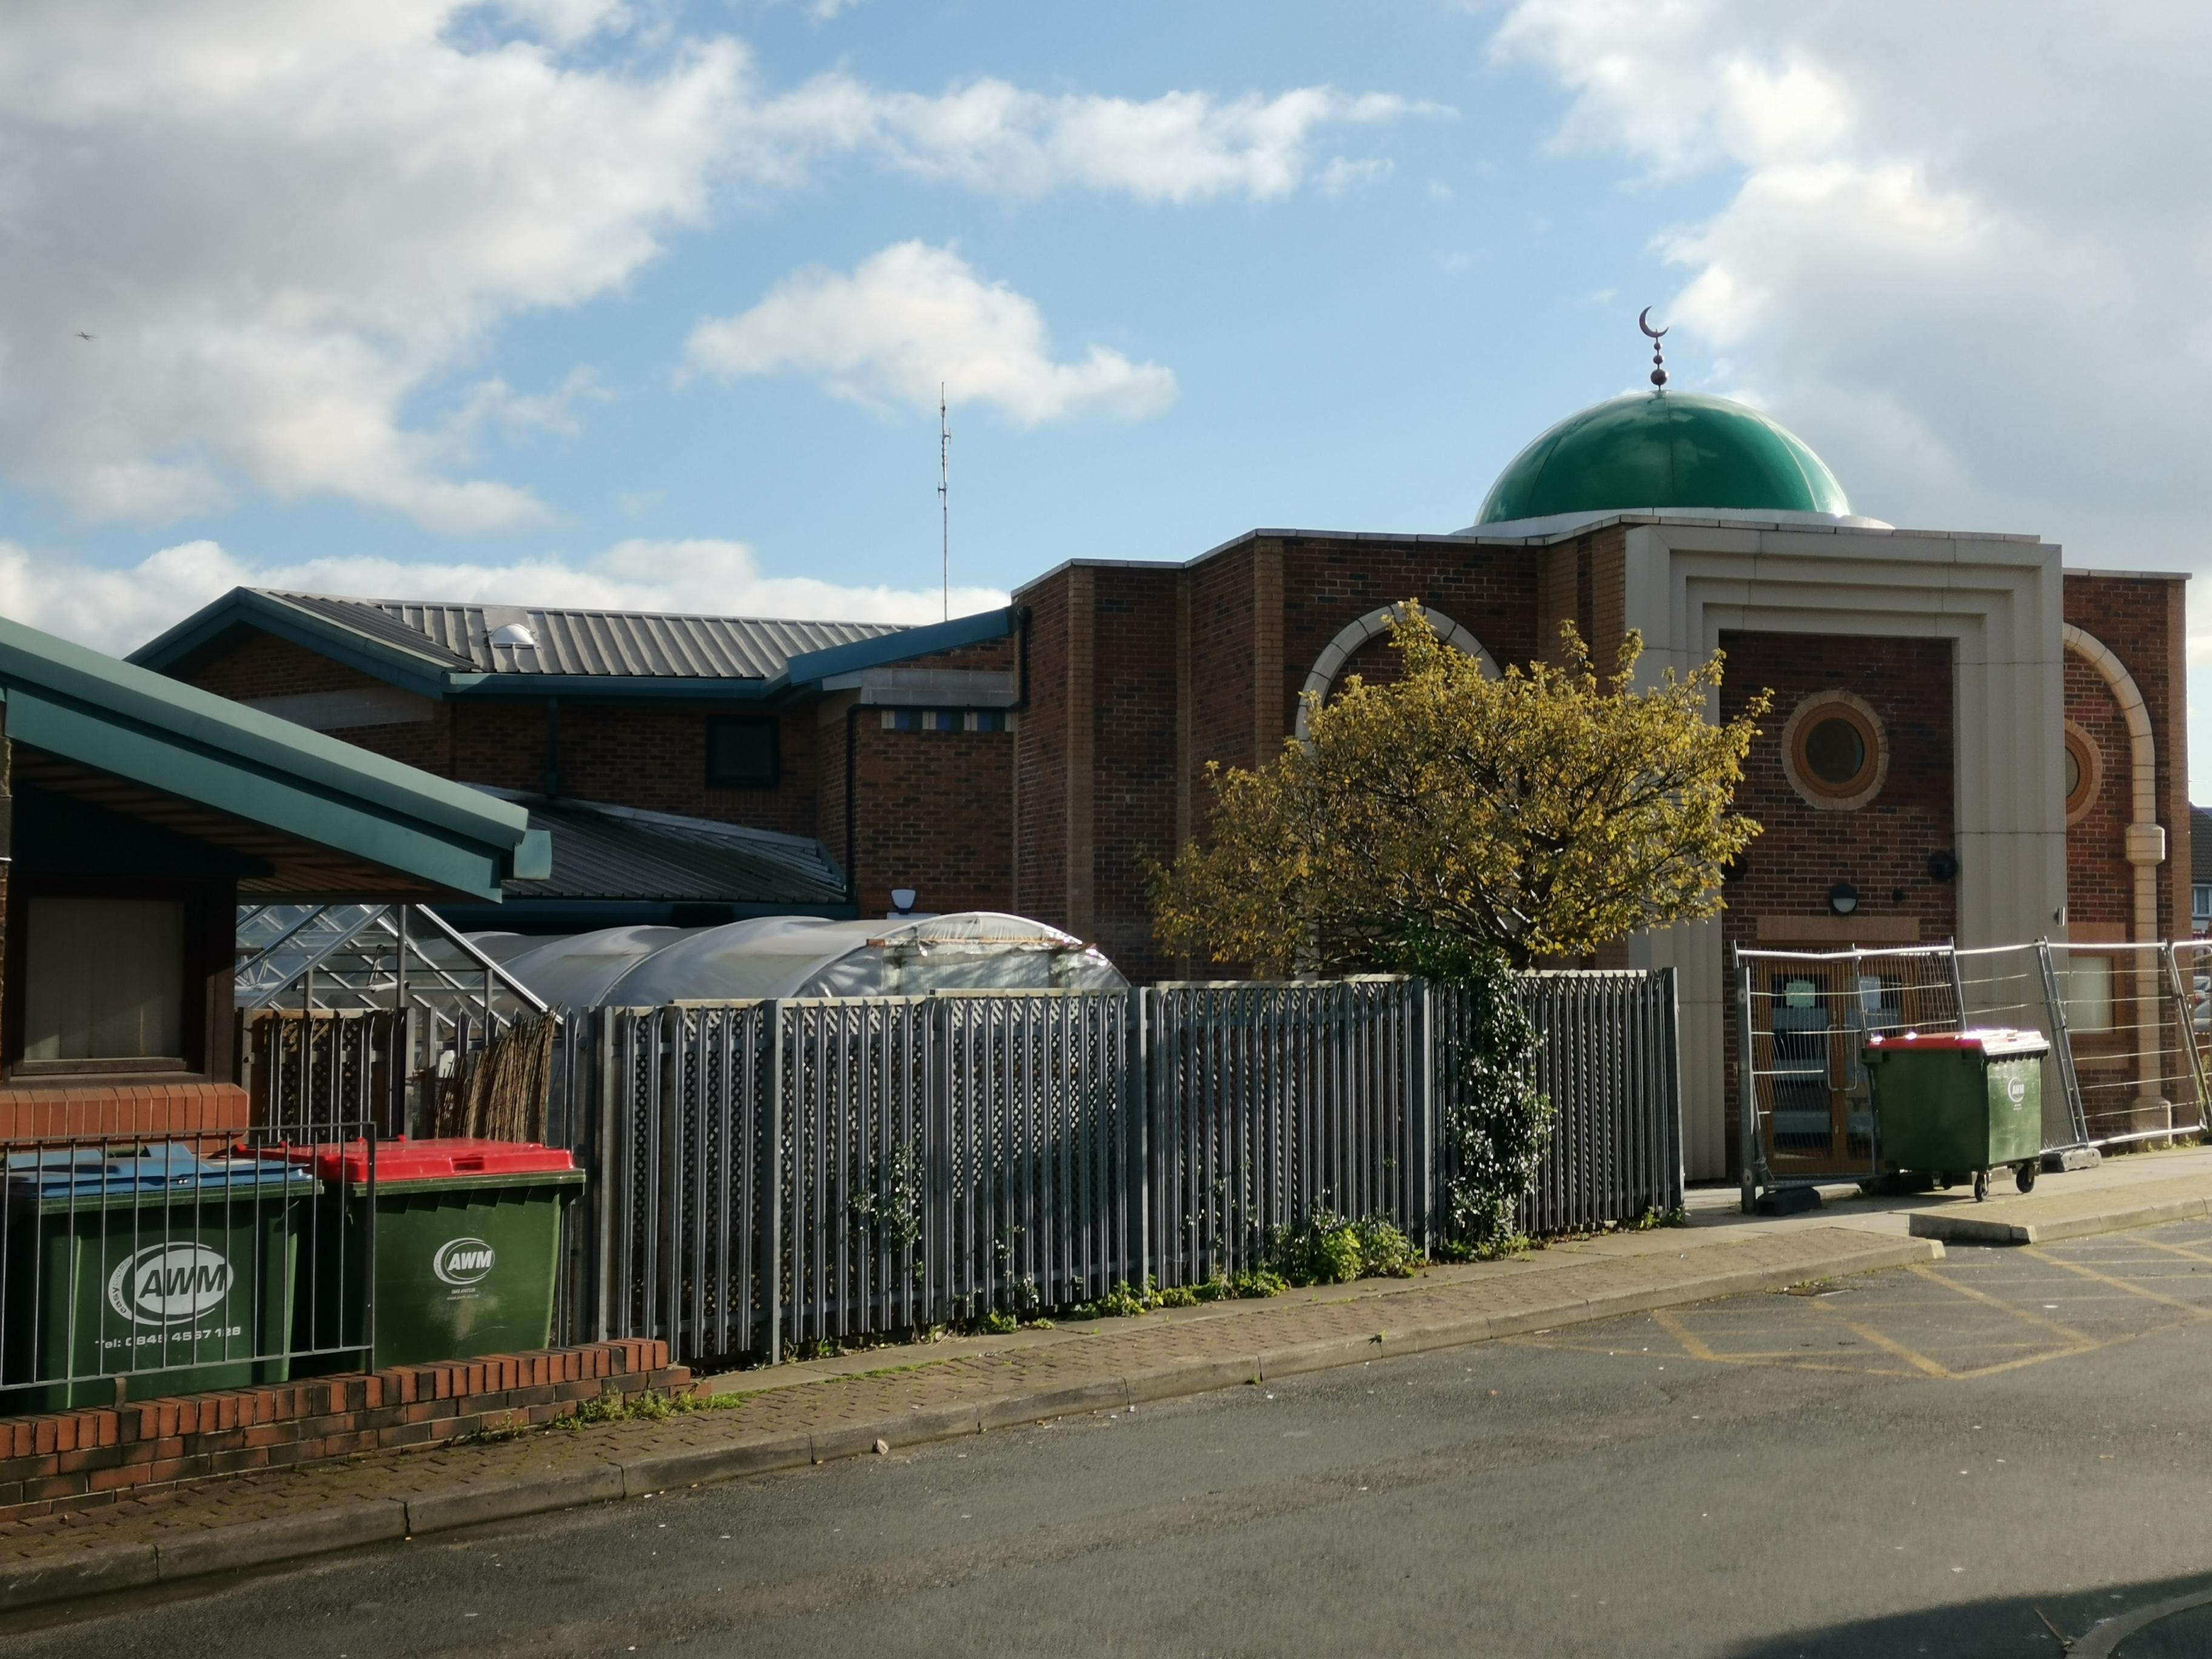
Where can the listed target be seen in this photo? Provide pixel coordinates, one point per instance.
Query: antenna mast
(943, 494)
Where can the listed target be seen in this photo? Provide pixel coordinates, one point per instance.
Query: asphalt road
(1925, 1461)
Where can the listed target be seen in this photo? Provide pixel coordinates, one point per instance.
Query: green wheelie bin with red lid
(1950, 1104)
(457, 1240)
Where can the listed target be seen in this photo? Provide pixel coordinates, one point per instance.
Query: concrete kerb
(88, 1573)
(473, 1504)
(258, 1543)
(2005, 1223)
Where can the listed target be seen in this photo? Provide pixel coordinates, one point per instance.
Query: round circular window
(2084, 765)
(1833, 751)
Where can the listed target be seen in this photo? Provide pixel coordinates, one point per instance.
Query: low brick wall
(81, 1459)
(162, 1111)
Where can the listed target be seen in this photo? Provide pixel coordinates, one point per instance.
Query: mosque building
(1967, 741)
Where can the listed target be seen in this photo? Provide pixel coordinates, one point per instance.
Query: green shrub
(1384, 1252)
(1256, 1282)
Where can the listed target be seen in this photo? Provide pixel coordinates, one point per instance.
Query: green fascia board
(243, 608)
(141, 725)
(261, 796)
(810, 667)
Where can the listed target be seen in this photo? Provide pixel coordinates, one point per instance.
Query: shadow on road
(2001, 1627)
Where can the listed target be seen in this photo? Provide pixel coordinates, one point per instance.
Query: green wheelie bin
(460, 1240)
(1949, 1104)
(142, 1271)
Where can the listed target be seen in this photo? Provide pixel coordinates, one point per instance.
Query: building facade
(1967, 741)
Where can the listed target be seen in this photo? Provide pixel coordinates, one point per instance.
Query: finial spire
(1658, 353)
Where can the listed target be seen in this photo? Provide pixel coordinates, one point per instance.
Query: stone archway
(1354, 634)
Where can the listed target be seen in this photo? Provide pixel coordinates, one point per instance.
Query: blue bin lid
(173, 1168)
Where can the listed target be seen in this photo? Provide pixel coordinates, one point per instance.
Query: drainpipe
(2145, 842)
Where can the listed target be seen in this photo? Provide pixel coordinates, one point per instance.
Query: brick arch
(2146, 840)
(1355, 634)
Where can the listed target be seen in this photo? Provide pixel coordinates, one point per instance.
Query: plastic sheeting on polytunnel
(801, 956)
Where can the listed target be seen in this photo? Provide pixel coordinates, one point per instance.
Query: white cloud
(993, 137)
(118, 610)
(287, 225)
(913, 317)
(1965, 250)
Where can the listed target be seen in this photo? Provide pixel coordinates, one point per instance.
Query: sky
(648, 302)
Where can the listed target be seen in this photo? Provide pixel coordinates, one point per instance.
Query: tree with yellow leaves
(1457, 825)
(1426, 821)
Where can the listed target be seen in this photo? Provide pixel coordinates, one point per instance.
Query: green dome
(1663, 449)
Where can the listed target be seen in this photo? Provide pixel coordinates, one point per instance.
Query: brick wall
(2099, 881)
(79, 1459)
(1133, 712)
(123, 1111)
(1882, 847)
(932, 816)
(646, 754)
(2138, 619)
(1041, 741)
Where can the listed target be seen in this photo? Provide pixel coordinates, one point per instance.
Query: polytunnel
(800, 956)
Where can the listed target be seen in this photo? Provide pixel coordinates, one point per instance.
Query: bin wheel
(1942, 1180)
(1981, 1185)
(2024, 1177)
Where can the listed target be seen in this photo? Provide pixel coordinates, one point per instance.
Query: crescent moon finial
(1658, 355)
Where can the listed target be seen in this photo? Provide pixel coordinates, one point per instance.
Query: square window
(741, 754)
(104, 979)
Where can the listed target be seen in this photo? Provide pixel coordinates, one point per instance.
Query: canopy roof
(799, 955)
(1664, 449)
(306, 813)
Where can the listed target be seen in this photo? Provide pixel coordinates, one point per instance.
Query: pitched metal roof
(614, 644)
(605, 852)
(315, 809)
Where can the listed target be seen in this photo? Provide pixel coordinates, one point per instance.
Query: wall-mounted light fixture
(1942, 866)
(1843, 898)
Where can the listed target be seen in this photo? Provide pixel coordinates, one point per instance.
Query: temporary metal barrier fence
(2125, 1023)
(772, 1173)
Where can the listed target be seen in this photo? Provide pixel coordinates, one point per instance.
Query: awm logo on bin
(2016, 1092)
(164, 1283)
(462, 1260)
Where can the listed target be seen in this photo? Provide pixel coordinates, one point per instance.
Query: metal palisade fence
(773, 1173)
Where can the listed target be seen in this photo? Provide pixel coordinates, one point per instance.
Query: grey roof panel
(603, 851)
(609, 644)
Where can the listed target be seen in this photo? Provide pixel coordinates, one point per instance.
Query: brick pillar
(2178, 863)
(1082, 744)
(1270, 709)
(1558, 587)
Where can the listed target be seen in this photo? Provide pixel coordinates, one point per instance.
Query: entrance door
(1811, 1020)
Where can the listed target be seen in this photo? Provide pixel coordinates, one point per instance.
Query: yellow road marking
(2195, 1310)
(2177, 1249)
(1692, 1345)
(2028, 1315)
(1919, 1362)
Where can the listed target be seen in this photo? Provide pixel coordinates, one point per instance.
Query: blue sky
(575, 300)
